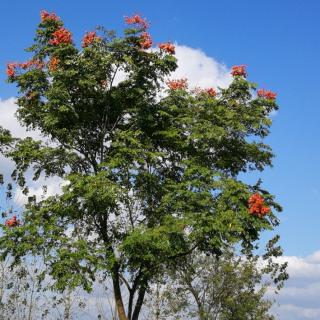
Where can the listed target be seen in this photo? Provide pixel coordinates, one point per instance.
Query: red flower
(53, 64)
(146, 41)
(256, 206)
(239, 70)
(168, 47)
(136, 19)
(11, 69)
(211, 92)
(13, 222)
(62, 35)
(179, 84)
(45, 16)
(267, 94)
(89, 38)
(10, 72)
(261, 93)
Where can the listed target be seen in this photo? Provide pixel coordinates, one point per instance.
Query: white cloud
(54, 186)
(119, 77)
(314, 258)
(292, 312)
(8, 120)
(200, 69)
(299, 299)
(305, 268)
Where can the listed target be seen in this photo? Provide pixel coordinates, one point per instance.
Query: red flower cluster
(256, 206)
(267, 94)
(11, 67)
(13, 222)
(136, 19)
(89, 38)
(45, 16)
(62, 35)
(53, 64)
(146, 41)
(211, 92)
(239, 70)
(180, 84)
(168, 47)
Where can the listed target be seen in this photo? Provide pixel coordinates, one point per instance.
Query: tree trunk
(139, 302)
(132, 292)
(117, 294)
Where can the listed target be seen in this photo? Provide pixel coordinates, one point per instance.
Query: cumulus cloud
(304, 267)
(200, 69)
(293, 312)
(8, 120)
(53, 186)
(299, 299)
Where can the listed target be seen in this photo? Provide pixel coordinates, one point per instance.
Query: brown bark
(117, 295)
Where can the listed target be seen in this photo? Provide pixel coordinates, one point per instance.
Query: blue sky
(277, 39)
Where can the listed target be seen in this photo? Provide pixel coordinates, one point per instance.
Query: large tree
(152, 166)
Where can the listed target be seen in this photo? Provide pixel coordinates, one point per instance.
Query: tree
(19, 293)
(217, 288)
(152, 166)
(24, 296)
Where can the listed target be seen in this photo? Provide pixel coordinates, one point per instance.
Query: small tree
(217, 288)
(24, 296)
(152, 172)
(20, 296)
